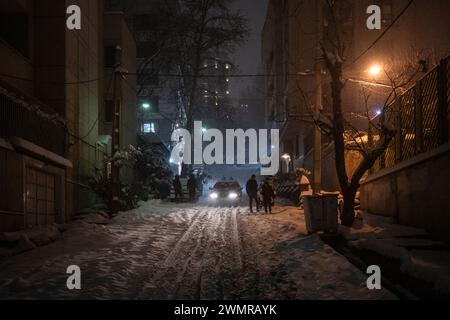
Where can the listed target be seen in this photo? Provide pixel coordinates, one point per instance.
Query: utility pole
(115, 169)
(317, 185)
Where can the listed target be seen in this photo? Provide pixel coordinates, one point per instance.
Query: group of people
(265, 190)
(194, 185)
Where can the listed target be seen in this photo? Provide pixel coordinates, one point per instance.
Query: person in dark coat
(268, 194)
(164, 189)
(192, 187)
(200, 184)
(252, 192)
(178, 189)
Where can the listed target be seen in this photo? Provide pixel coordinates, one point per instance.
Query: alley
(163, 251)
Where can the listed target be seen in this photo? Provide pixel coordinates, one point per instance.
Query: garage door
(40, 198)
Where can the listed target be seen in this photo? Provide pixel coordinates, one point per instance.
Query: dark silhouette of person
(164, 190)
(268, 194)
(252, 192)
(192, 187)
(200, 183)
(178, 189)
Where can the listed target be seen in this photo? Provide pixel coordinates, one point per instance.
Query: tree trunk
(348, 211)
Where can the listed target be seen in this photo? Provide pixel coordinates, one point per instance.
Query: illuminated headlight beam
(233, 195)
(214, 196)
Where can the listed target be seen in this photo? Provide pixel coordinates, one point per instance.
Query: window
(149, 128)
(109, 110)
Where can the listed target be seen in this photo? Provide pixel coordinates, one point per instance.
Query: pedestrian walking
(252, 192)
(192, 188)
(268, 195)
(178, 189)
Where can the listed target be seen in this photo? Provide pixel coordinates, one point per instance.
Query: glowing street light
(375, 70)
(146, 105)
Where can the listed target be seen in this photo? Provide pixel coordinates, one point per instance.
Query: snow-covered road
(163, 251)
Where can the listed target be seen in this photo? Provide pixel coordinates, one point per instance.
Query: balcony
(23, 117)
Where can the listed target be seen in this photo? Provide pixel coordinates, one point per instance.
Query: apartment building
(51, 88)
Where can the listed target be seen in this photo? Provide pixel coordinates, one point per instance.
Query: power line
(262, 75)
(53, 82)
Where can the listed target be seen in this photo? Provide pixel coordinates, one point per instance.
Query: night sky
(248, 60)
(249, 55)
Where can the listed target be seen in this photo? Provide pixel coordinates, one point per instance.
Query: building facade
(52, 91)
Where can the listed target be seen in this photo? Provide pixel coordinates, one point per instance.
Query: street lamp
(375, 70)
(146, 105)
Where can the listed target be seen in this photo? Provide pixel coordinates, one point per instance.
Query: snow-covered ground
(167, 251)
(419, 256)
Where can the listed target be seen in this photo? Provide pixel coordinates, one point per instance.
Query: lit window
(149, 128)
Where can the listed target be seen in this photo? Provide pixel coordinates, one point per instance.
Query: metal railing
(421, 117)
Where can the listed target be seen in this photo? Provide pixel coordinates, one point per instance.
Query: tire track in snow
(169, 273)
(189, 283)
(204, 262)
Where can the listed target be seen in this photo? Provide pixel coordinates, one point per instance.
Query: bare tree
(205, 29)
(340, 127)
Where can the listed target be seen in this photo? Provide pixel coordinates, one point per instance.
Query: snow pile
(398, 242)
(377, 227)
(81, 228)
(13, 243)
(296, 266)
(92, 216)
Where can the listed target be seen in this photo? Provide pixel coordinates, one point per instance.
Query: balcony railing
(28, 120)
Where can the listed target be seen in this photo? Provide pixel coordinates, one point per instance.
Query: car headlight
(233, 195)
(214, 195)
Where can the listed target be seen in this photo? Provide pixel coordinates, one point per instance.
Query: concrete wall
(83, 63)
(414, 193)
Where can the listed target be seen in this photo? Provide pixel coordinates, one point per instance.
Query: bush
(152, 176)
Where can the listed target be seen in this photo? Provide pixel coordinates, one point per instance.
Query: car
(226, 192)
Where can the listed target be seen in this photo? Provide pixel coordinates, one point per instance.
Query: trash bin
(321, 213)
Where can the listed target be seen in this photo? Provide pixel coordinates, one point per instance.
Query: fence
(421, 116)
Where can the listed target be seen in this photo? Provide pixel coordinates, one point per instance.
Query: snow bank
(14, 243)
(380, 235)
(377, 227)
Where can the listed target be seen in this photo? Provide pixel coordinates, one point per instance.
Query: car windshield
(227, 185)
